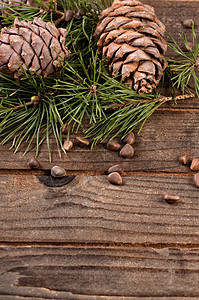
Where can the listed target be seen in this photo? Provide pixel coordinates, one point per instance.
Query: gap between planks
(100, 245)
(91, 173)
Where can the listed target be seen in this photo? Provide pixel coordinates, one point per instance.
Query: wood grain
(98, 272)
(91, 210)
(165, 136)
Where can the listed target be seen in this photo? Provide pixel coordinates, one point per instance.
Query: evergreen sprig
(23, 121)
(23, 11)
(184, 69)
(82, 89)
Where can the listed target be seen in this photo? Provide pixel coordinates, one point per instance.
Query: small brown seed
(113, 145)
(196, 180)
(116, 168)
(130, 139)
(115, 178)
(68, 145)
(68, 15)
(82, 142)
(33, 163)
(188, 23)
(172, 198)
(195, 164)
(58, 171)
(183, 159)
(127, 151)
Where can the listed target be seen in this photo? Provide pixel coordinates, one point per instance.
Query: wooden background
(89, 239)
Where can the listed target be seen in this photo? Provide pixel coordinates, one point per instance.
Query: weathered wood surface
(92, 240)
(91, 210)
(163, 139)
(101, 272)
(173, 13)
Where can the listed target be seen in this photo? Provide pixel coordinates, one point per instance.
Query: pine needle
(184, 69)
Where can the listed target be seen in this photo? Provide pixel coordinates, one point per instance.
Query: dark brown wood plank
(165, 136)
(91, 210)
(89, 272)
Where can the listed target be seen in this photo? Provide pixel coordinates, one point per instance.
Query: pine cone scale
(26, 34)
(52, 30)
(5, 38)
(27, 54)
(45, 37)
(5, 53)
(33, 46)
(127, 37)
(16, 42)
(124, 49)
(147, 67)
(102, 26)
(113, 35)
(136, 28)
(45, 58)
(116, 23)
(14, 62)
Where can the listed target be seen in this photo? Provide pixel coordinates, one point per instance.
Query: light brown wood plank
(91, 210)
(86, 272)
(165, 136)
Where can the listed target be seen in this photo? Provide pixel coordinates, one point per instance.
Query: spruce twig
(83, 89)
(184, 68)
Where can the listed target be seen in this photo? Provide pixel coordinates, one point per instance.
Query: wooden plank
(103, 272)
(91, 210)
(165, 136)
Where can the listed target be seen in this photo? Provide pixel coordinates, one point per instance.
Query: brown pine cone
(132, 39)
(37, 45)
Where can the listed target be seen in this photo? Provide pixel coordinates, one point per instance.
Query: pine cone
(132, 39)
(37, 45)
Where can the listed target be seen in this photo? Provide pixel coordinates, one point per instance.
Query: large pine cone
(132, 39)
(38, 46)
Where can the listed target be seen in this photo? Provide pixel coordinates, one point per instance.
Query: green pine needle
(184, 69)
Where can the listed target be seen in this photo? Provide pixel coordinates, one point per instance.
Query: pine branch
(83, 88)
(184, 70)
(25, 121)
(23, 11)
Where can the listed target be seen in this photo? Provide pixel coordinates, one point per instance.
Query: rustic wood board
(92, 240)
(98, 272)
(165, 136)
(91, 210)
